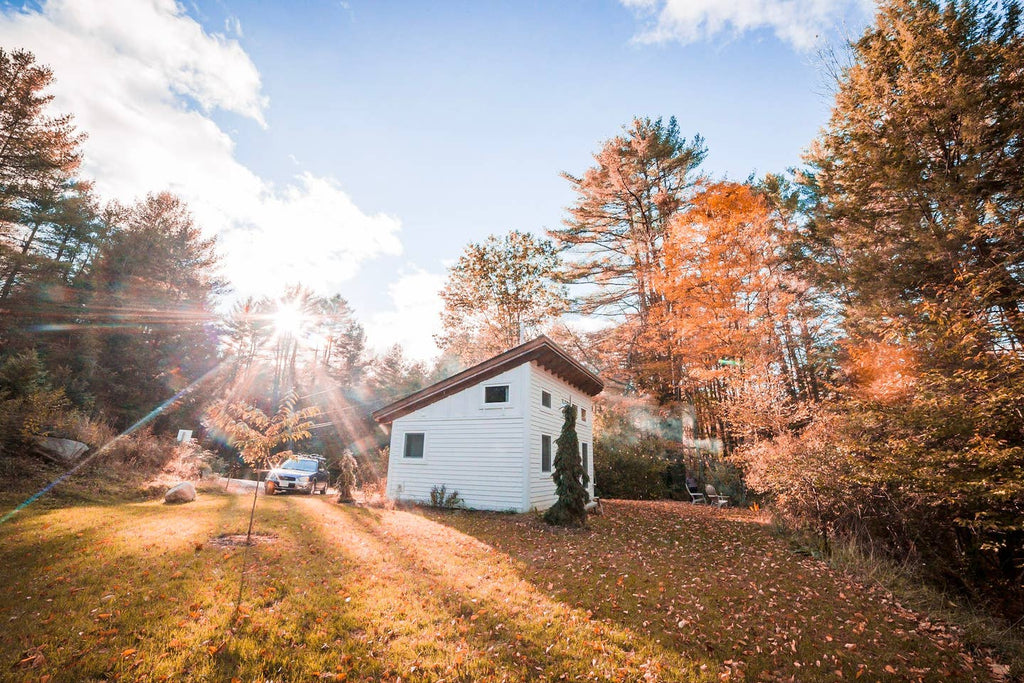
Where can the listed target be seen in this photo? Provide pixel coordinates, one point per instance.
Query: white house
(489, 432)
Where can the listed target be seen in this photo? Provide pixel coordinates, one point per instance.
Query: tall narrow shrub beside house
(569, 509)
(347, 478)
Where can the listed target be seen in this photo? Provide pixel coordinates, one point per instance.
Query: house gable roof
(547, 353)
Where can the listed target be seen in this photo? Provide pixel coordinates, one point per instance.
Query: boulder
(64, 451)
(184, 492)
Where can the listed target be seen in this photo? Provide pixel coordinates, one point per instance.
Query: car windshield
(304, 465)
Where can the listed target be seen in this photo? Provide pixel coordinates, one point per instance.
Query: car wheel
(270, 488)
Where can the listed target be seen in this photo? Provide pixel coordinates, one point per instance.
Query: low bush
(29, 406)
(375, 494)
(653, 468)
(373, 466)
(634, 471)
(142, 451)
(858, 473)
(441, 498)
(188, 461)
(88, 430)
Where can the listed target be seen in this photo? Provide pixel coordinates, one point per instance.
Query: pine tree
(344, 351)
(570, 508)
(246, 329)
(616, 230)
(154, 285)
(392, 375)
(35, 149)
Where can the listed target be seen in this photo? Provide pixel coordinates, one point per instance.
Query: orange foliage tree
(732, 315)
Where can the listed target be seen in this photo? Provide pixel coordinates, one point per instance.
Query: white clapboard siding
(541, 486)
(471, 447)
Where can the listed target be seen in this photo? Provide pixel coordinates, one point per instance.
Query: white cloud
(233, 26)
(415, 318)
(140, 77)
(798, 22)
(311, 232)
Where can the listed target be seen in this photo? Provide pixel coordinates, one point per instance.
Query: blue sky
(386, 135)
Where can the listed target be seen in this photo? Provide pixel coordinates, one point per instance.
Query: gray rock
(62, 450)
(184, 492)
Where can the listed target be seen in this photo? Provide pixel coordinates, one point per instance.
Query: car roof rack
(309, 456)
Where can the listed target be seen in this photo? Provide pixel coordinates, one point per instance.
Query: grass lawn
(651, 591)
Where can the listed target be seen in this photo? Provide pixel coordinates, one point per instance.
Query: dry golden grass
(650, 591)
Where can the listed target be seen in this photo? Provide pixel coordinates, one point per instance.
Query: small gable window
(545, 399)
(545, 453)
(496, 394)
(414, 445)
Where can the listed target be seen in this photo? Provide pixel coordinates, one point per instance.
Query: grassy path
(651, 591)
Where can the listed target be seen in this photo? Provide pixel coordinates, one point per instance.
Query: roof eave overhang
(548, 355)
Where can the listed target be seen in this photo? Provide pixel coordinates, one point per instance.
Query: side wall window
(585, 449)
(545, 399)
(414, 445)
(545, 453)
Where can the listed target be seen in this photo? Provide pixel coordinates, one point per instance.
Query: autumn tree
(918, 171)
(731, 313)
(257, 436)
(917, 227)
(616, 227)
(500, 293)
(569, 476)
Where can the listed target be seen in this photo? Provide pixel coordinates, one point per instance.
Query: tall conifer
(569, 509)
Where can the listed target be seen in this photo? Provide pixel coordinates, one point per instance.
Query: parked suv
(305, 473)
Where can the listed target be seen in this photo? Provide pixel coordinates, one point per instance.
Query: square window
(414, 445)
(545, 453)
(496, 394)
(545, 399)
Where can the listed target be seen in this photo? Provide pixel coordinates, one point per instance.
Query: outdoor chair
(696, 496)
(713, 498)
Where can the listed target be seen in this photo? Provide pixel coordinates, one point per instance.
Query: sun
(288, 320)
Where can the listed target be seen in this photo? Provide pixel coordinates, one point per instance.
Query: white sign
(184, 434)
